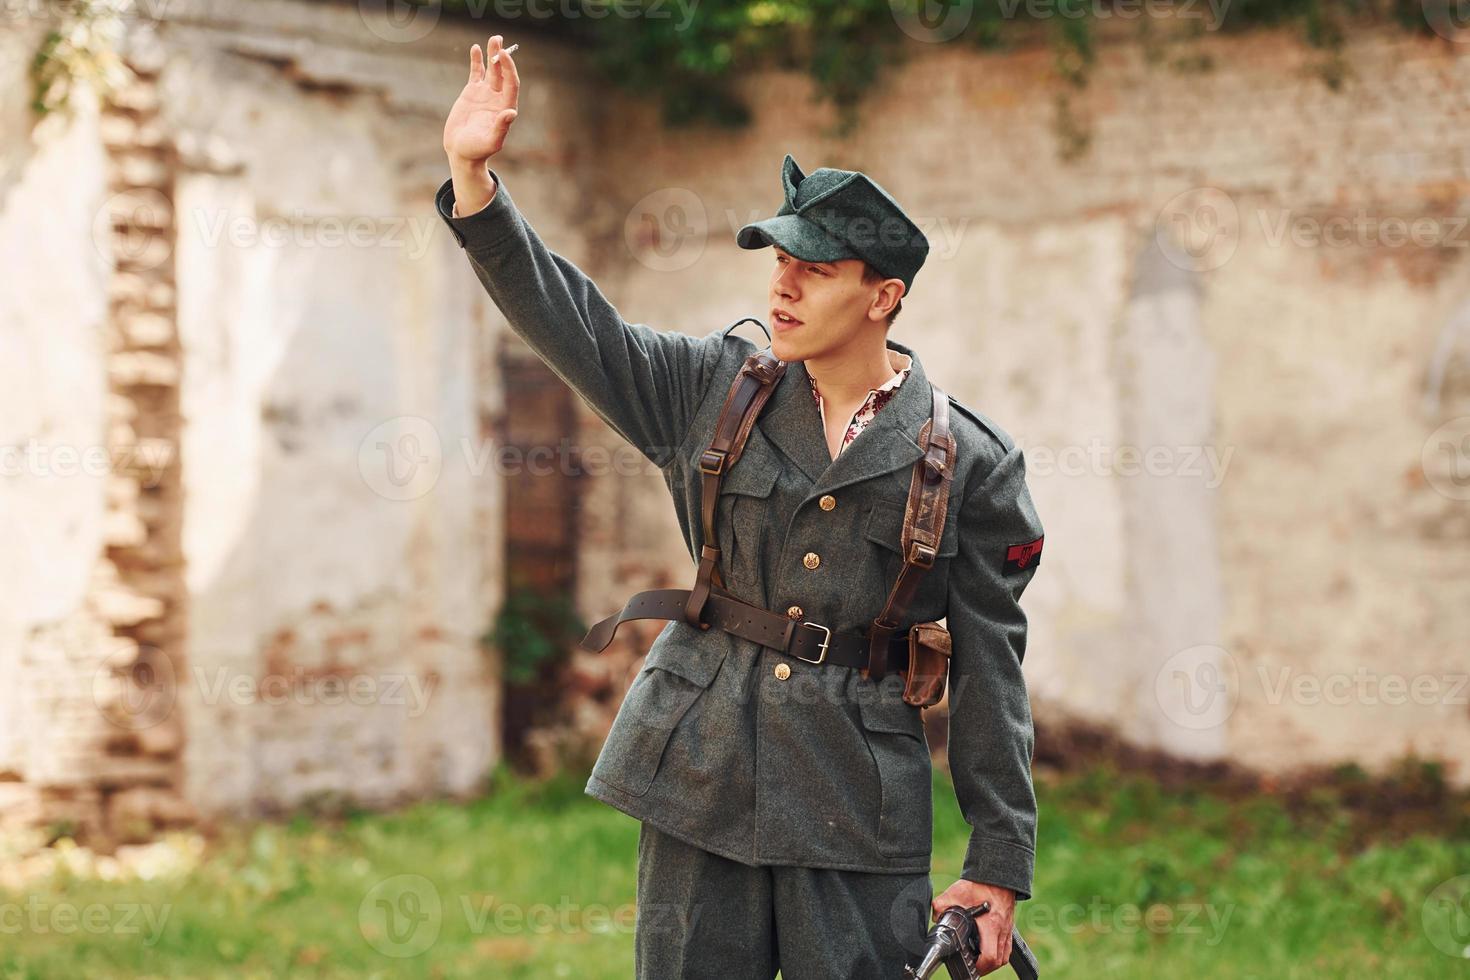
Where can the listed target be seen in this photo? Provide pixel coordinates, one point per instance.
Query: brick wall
(1185, 287)
(1285, 583)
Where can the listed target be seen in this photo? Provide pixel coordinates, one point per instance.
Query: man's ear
(888, 286)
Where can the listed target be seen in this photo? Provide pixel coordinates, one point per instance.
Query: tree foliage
(689, 54)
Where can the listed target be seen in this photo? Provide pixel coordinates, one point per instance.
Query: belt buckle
(825, 641)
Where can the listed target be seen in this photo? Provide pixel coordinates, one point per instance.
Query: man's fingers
(502, 125)
(994, 946)
(1003, 947)
(497, 64)
(990, 960)
(477, 63)
(511, 79)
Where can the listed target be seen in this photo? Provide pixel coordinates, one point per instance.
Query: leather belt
(803, 639)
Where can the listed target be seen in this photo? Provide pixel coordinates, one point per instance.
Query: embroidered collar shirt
(877, 398)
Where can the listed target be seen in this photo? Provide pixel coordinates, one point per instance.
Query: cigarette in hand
(509, 50)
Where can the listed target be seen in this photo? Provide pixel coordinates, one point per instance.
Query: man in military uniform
(785, 805)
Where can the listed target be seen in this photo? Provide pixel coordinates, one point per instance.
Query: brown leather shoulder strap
(923, 524)
(748, 394)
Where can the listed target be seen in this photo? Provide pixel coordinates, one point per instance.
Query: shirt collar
(900, 362)
(904, 364)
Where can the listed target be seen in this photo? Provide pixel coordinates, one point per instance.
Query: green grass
(538, 881)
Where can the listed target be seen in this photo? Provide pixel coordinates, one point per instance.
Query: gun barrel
(927, 966)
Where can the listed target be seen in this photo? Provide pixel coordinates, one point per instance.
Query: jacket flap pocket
(653, 708)
(756, 471)
(883, 709)
(696, 662)
(885, 527)
(749, 478)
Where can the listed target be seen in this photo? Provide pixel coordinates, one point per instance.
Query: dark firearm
(955, 942)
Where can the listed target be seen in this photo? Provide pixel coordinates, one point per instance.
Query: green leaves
(533, 629)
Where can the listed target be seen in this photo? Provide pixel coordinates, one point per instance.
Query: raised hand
(481, 116)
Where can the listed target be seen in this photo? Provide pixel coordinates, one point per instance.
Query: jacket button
(783, 671)
(812, 559)
(793, 612)
(827, 502)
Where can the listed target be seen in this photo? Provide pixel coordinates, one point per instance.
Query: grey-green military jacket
(825, 768)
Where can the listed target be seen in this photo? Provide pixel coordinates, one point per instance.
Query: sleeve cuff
(997, 862)
(486, 226)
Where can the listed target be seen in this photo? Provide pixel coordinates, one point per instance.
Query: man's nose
(783, 284)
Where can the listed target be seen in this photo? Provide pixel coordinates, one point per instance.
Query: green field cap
(840, 214)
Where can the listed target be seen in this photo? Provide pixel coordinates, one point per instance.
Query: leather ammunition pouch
(928, 667)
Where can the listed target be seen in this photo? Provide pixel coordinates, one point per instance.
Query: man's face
(829, 298)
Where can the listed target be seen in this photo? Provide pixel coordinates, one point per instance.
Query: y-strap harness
(882, 648)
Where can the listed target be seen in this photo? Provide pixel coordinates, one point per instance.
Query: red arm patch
(1019, 557)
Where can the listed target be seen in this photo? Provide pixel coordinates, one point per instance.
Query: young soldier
(785, 799)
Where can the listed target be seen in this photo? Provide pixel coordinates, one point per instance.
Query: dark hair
(871, 274)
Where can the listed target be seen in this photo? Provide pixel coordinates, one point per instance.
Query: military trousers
(700, 915)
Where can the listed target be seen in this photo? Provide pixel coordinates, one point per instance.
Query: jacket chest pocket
(744, 515)
(883, 529)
